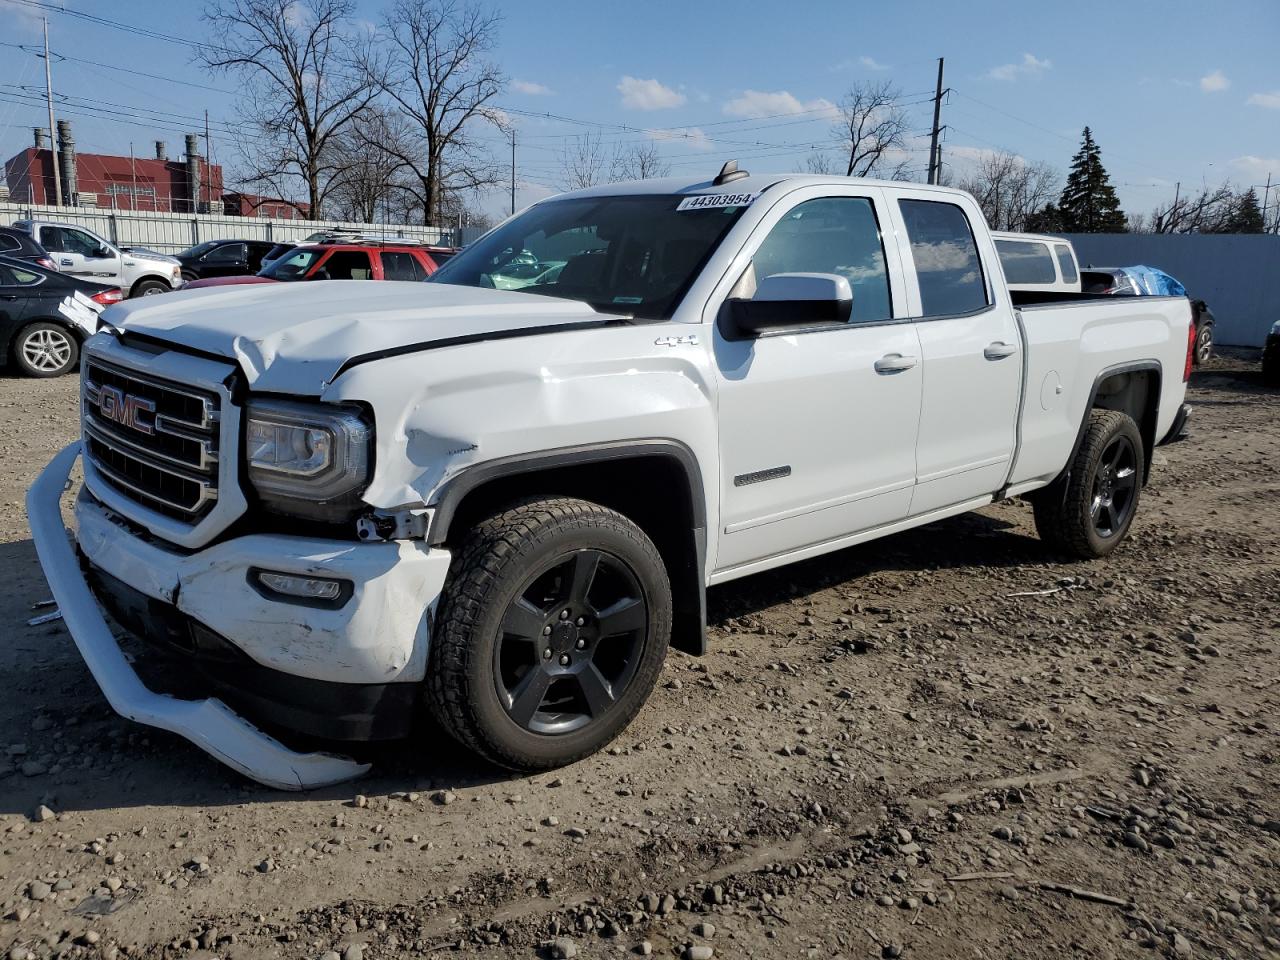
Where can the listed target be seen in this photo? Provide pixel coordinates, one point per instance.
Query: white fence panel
(171, 232)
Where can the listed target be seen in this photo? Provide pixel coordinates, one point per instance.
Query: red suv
(340, 261)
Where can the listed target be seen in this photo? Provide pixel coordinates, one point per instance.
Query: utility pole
(1266, 197)
(208, 160)
(53, 143)
(513, 170)
(935, 154)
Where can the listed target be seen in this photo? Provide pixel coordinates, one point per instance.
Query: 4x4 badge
(691, 338)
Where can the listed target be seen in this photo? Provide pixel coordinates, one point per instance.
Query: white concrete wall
(171, 232)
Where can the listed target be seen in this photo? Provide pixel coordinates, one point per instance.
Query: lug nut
(582, 644)
(546, 631)
(581, 621)
(564, 660)
(564, 614)
(546, 654)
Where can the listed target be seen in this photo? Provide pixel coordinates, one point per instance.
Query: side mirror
(101, 253)
(792, 301)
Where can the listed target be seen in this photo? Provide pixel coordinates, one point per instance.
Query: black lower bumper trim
(191, 662)
(1178, 431)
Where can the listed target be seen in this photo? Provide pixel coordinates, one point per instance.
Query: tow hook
(409, 523)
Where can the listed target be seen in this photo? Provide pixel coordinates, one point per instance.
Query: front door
(818, 429)
(81, 254)
(971, 350)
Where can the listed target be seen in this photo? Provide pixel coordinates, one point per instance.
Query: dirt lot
(942, 744)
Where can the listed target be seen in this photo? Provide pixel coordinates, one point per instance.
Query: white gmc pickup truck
(499, 496)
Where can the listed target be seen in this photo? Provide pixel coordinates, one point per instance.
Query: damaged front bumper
(379, 636)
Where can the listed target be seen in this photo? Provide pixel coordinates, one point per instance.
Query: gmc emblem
(127, 410)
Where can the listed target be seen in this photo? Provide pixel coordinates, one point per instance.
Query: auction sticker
(711, 201)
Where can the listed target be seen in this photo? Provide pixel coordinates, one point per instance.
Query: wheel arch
(1132, 388)
(656, 483)
(146, 278)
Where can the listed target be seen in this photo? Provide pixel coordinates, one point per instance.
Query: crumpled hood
(295, 337)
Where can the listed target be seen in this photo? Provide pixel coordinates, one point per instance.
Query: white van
(1035, 263)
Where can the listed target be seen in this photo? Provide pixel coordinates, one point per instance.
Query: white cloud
(756, 103)
(531, 89)
(1028, 66)
(693, 137)
(1256, 168)
(1214, 82)
(640, 94)
(1269, 100)
(872, 64)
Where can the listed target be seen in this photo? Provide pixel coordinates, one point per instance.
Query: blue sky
(1175, 91)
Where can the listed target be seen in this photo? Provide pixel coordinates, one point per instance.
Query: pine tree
(1246, 217)
(1089, 203)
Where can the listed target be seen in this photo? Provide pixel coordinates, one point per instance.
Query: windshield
(293, 266)
(635, 254)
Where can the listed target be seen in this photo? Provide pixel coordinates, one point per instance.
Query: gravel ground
(941, 744)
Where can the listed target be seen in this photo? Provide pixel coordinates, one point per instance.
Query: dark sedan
(45, 316)
(223, 258)
(21, 245)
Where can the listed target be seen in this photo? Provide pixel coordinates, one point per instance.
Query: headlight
(306, 454)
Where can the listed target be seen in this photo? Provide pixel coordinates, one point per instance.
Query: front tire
(551, 635)
(46, 350)
(149, 288)
(1089, 512)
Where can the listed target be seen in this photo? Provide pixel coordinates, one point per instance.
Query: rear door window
(345, 265)
(227, 253)
(1026, 261)
(1066, 263)
(400, 266)
(945, 253)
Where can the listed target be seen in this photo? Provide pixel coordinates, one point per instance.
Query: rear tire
(1204, 345)
(552, 632)
(1088, 512)
(45, 349)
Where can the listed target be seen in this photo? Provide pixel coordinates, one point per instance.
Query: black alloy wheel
(570, 643)
(1114, 485)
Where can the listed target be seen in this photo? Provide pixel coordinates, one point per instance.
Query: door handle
(68, 263)
(894, 363)
(999, 350)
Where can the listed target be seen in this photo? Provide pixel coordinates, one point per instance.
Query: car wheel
(46, 350)
(1089, 512)
(1271, 363)
(1204, 344)
(149, 288)
(551, 634)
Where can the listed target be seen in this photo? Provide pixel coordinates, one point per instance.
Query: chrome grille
(166, 458)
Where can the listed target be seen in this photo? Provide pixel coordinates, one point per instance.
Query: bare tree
(300, 87)
(871, 125)
(439, 81)
(638, 162)
(582, 162)
(821, 162)
(1210, 211)
(367, 175)
(1010, 190)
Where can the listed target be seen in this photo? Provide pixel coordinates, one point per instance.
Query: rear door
(970, 347)
(14, 297)
(818, 426)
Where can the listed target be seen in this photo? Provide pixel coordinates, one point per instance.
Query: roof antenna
(729, 173)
